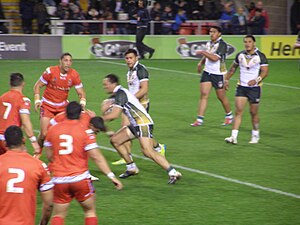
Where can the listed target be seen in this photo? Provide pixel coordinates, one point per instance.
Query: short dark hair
(250, 36)
(73, 110)
(13, 136)
(131, 50)
(98, 123)
(16, 79)
(112, 78)
(65, 54)
(218, 28)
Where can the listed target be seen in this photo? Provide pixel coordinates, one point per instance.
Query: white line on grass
(212, 175)
(195, 74)
(217, 176)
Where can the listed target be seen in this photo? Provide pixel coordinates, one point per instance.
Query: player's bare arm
(229, 74)
(36, 89)
(27, 126)
(82, 96)
(47, 199)
(143, 89)
(213, 57)
(101, 163)
(200, 64)
(114, 114)
(263, 74)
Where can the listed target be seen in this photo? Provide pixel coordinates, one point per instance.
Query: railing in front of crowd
(188, 27)
(10, 25)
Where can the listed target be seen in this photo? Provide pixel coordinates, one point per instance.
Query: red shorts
(3, 147)
(51, 111)
(81, 190)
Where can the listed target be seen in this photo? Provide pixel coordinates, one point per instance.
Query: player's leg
(205, 88)
(218, 84)
(254, 99)
(44, 123)
(89, 210)
(60, 211)
(125, 122)
(146, 145)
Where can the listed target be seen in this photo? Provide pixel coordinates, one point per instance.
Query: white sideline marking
(195, 74)
(217, 176)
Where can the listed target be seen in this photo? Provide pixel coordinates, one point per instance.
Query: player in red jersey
(58, 81)
(15, 110)
(21, 176)
(69, 165)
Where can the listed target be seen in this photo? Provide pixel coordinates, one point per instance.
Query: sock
(234, 133)
(200, 119)
(157, 148)
(255, 133)
(91, 221)
(131, 166)
(229, 115)
(171, 171)
(56, 220)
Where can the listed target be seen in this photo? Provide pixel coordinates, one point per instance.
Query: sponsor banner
(30, 47)
(279, 47)
(166, 47)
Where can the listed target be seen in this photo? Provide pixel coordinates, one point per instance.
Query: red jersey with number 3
(58, 84)
(12, 104)
(21, 176)
(70, 141)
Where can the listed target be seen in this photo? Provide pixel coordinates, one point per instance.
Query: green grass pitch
(222, 184)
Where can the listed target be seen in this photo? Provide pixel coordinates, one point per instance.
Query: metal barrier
(10, 25)
(196, 26)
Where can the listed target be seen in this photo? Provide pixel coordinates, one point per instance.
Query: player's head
(73, 110)
(13, 137)
(65, 62)
(131, 57)
(215, 32)
(16, 80)
(110, 82)
(142, 3)
(97, 124)
(249, 42)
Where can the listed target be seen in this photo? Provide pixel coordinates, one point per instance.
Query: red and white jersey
(58, 85)
(84, 119)
(70, 141)
(12, 104)
(21, 175)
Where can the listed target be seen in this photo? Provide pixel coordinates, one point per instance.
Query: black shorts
(217, 81)
(142, 131)
(252, 93)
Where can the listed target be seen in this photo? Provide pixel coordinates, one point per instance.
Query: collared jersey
(58, 85)
(12, 104)
(250, 66)
(84, 119)
(70, 141)
(21, 176)
(219, 48)
(135, 76)
(131, 106)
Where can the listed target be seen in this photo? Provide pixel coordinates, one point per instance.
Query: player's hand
(199, 67)
(37, 156)
(90, 113)
(252, 83)
(117, 183)
(37, 106)
(226, 85)
(36, 148)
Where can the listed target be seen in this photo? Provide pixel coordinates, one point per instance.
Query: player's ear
(23, 141)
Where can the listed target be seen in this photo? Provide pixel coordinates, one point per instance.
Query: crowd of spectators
(169, 15)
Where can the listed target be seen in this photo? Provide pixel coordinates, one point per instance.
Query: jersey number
(7, 110)
(67, 144)
(11, 182)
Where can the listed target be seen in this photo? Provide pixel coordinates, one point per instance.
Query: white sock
(158, 148)
(131, 166)
(234, 133)
(255, 133)
(172, 172)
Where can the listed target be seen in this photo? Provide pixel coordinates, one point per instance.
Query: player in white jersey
(141, 127)
(213, 75)
(138, 85)
(253, 69)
